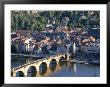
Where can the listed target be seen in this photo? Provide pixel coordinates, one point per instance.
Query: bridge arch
(62, 58)
(53, 61)
(11, 73)
(19, 74)
(53, 64)
(32, 71)
(71, 56)
(42, 68)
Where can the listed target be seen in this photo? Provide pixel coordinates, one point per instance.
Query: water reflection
(70, 66)
(56, 69)
(52, 65)
(61, 63)
(42, 68)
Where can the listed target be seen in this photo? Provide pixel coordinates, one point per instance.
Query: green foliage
(29, 20)
(26, 21)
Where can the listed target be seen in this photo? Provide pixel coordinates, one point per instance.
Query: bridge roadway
(23, 69)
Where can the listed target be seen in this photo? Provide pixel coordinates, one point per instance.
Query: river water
(60, 69)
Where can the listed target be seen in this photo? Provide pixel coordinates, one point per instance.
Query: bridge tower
(68, 46)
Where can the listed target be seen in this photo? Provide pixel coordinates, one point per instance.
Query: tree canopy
(37, 20)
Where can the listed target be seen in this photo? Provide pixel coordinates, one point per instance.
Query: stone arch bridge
(35, 65)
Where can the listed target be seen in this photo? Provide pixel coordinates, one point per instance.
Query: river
(61, 69)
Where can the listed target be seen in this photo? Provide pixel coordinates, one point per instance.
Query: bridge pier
(14, 74)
